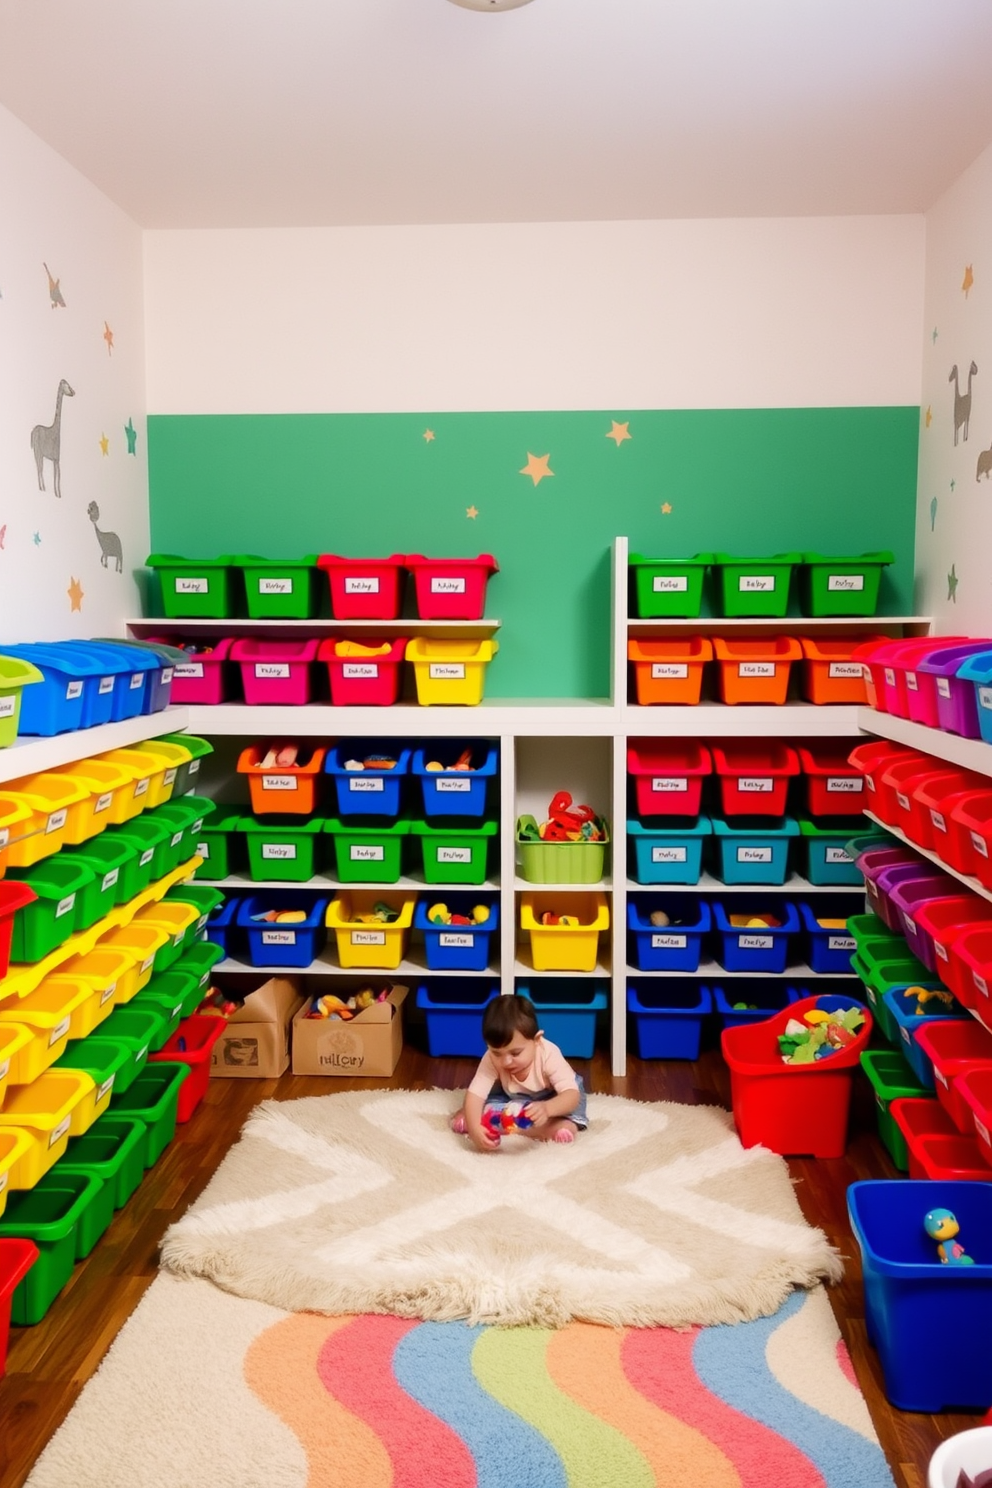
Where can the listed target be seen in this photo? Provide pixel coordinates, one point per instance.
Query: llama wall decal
(962, 401)
(46, 438)
(110, 543)
(984, 466)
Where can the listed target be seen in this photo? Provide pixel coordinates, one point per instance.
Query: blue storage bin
(128, 697)
(763, 1000)
(157, 672)
(457, 947)
(830, 951)
(56, 704)
(675, 947)
(930, 1323)
(367, 792)
(824, 857)
(221, 925)
(455, 792)
(297, 944)
(977, 669)
(566, 1010)
(668, 1016)
(672, 854)
(764, 949)
(453, 1011)
(754, 849)
(907, 1023)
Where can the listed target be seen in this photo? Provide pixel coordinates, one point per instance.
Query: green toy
(819, 1035)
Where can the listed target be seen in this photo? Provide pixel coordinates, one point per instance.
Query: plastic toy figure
(941, 1226)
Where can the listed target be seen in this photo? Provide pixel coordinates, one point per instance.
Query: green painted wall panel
(837, 480)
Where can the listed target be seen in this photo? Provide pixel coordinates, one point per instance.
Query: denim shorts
(498, 1097)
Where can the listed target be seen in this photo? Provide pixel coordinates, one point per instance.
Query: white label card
(670, 583)
(56, 821)
(74, 690)
(104, 1090)
(192, 586)
(8, 705)
(755, 785)
(60, 1131)
(279, 937)
(755, 942)
(59, 1032)
(844, 785)
(756, 668)
(106, 685)
(368, 937)
(446, 671)
(359, 669)
(669, 942)
(756, 584)
(669, 855)
(754, 854)
(837, 855)
(985, 697)
(366, 784)
(447, 586)
(673, 669)
(271, 670)
(841, 943)
(840, 669)
(278, 782)
(102, 802)
(189, 669)
(456, 939)
(361, 586)
(454, 855)
(64, 906)
(662, 785)
(275, 586)
(366, 852)
(845, 583)
(944, 687)
(280, 852)
(452, 785)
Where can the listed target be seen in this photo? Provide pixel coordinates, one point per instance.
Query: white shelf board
(601, 886)
(554, 717)
(321, 883)
(970, 754)
(27, 755)
(710, 885)
(413, 964)
(743, 721)
(714, 972)
(787, 623)
(440, 629)
(969, 883)
(524, 966)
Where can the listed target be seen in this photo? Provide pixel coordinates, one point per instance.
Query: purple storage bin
(203, 677)
(873, 863)
(880, 896)
(905, 894)
(957, 707)
(276, 672)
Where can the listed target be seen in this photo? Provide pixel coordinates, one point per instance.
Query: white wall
(51, 214)
(820, 312)
(954, 515)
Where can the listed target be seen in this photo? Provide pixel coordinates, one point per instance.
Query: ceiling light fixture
(490, 4)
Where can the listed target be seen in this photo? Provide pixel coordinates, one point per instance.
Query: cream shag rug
(367, 1202)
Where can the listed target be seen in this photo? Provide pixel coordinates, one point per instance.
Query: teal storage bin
(567, 1011)
(754, 850)
(672, 854)
(824, 855)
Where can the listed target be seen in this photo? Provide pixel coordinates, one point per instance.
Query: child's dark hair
(505, 1016)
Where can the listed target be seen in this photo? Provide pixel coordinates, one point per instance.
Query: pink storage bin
(205, 677)
(276, 672)
(921, 690)
(364, 588)
(451, 588)
(668, 775)
(889, 665)
(363, 680)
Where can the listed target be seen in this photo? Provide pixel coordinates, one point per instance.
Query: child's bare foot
(564, 1134)
(558, 1129)
(458, 1124)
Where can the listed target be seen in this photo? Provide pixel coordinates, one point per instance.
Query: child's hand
(537, 1113)
(483, 1138)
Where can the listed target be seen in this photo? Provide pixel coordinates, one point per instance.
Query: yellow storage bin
(48, 1014)
(173, 756)
(44, 1109)
(92, 1106)
(111, 971)
(450, 672)
(15, 1143)
(91, 1012)
(147, 772)
(143, 942)
(109, 786)
(51, 800)
(13, 1038)
(15, 822)
(361, 943)
(572, 947)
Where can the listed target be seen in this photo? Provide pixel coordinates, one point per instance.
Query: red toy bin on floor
(276, 672)
(358, 680)
(754, 776)
(192, 1044)
(206, 677)
(974, 817)
(955, 1046)
(668, 775)
(941, 923)
(975, 1089)
(920, 1119)
(364, 588)
(792, 1109)
(451, 588)
(834, 787)
(871, 760)
(895, 783)
(16, 1259)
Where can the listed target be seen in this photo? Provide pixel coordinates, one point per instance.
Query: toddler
(520, 1063)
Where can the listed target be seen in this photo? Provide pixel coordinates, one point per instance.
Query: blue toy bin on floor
(567, 1009)
(830, 951)
(673, 947)
(669, 855)
(763, 999)
(668, 1015)
(907, 1022)
(755, 949)
(930, 1323)
(457, 947)
(753, 849)
(296, 944)
(450, 792)
(75, 692)
(367, 792)
(453, 1010)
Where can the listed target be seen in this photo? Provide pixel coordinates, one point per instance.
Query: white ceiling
(235, 113)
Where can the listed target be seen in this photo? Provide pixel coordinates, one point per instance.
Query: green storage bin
(201, 959)
(824, 856)
(454, 854)
(114, 861)
(167, 1009)
(177, 988)
(559, 862)
(842, 586)
(154, 1097)
(203, 896)
(221, 845)
(15, 674)
(285, 849)
(891, 1079)
(880, 969)
(187, 774)
(281, 588)
(112, 1151)
(102, 1059)
(668, 587)
(96, 1217)
(368, 854)
(753, 586)
(184, 820)
(201, 588)
(868, 927)
(49, 1215)
(47, 923)
(137, 1030)
(150, 839)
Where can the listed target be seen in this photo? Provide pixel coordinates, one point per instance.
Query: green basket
(205, 898)
(101, 1058)
(201, 959)
(195, 588)
(891, 1079)
(880, 970)
(559, 862)
(111, 1151)
(49, 1215)
(753, 586)
(368, 854)
(842, 586)
(187, 774)
(221, 844)
(150, 840)
(177, 988)
(167, 1011)
(285, 849)
(47, 923)
(824, 854)
(154, 1097)
(15, 674)
(281, 588)
(114, 861)
(454, 854)
(669, 587)
(136, 1029)
(184, 821)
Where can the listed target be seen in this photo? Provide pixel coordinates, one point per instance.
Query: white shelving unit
(712, 971)
(970, 754)
(966, 879)
(28, 756)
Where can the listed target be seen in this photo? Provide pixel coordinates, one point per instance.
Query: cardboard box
(255, 1043)
(368, 1044)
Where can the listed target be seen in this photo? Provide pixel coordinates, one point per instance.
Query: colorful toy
(501, 1120)
(327, 1005)
(762, 921)
(381, 913)
(941, 1226)
(440, 914)
(280, 917)
(217, 1002)
(931, 1000)
(463, 762)
(819, 1035)
(371, 762)
(565, 823)
(550, 918)
(283, 757)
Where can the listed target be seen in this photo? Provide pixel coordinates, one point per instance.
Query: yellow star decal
(666, 507)
(537, 467)
(927, 418)
(428, 435)
(472, 512)
(104, 444)
(75, 593)
(968, 280)
(619, 433)
(108, 336)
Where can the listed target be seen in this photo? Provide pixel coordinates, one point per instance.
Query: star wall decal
(619, 432)
(108, 336)
(75, 593)
(537, 467)
(952, 586)
(472, 512)
(927, 418)
(131, 434)
(104, 444)
(428, 435)
(666, 508)
(968, 280)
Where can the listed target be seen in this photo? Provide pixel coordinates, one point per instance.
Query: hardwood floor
(48, 1365)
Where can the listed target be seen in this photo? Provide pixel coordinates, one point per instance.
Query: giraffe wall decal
(46, 439)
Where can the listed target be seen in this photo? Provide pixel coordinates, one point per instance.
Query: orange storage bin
(830, 672)
(755, 671)
(669, 671)
(15, 822)
(282, 788)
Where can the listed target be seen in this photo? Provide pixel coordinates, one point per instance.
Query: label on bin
(844, 669)
(142, 786)
(938, 820)
(980, 845)
(59, 1032)
(137, 680)
(941, 1077)
(279, 937)
(59, 1131)
(102, 802)
(462, 940)
(890, 677)
(169, 777)
(909, 922)
(454, 855)
(754, 854)
(670, 583)
(106, 685)
(452, 785)
(4, 1069)
(176, 838)
(203, 849)
(56, 821)
(141, 1056)
(368, 937)
(196, 827)
(166, 677)
(944, 687)
(985, 697)
(366, 853)
(940, 949)
(265, 669)
(756, 669)
(447, 586)
(850, 785)
(903, 800)
(669, 855)
(193, 768)
(278, 782)
(837, 855)
(4, 836)
(668, 784)
(841, 943)
(7, 706)
(3, 1180)
(755, 942)
(669, 669)
(446, 671)
(145, 965)
(756, 584)
(189, 669)
(360, 669)
(104, 1089)
(980, 983)
(108, 993)
(669, 942)
(361, 586)
(146, 857)
(275, 586)
(905, 1034)
(358, 783)
(280, 851)
(911, 682)
(74, 690)
(192, 586)
(850, 583)
(755, 785)
(64, 905)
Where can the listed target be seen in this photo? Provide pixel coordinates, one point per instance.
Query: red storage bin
(953, 1159)
(937, 797)
(955, 1046)
(13, 896)
(205, 678)
(364, 588)
(920, 1120)
(871, 669)
(894, 786)
(834, 787)
(192, 1044)
(970, 971)
(275, 673)
(754, 776)
(363, 680)
(451, 588)
(918, 814)
(668, 775)
(942, 922)
(975, 1089)
(16, 1259)
(974, 816)
(871, 759)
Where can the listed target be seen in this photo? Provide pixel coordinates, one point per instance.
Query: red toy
(502, 1120)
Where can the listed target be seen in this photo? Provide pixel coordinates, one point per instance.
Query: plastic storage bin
(891, 1079)
(14, 898)
(755, 671)
(374, 790)
(677, 946)
(45, 1109)
(285, 788)
(754, 949)
(126, 666)
(668, 587)
(941, 924)
(13, 1038)
(15, 675)
(668, 1017)
(976, 669)
(567, 1013)
(273, 944)
(747, 1001)
(276, 673)
(671, 854)
(150, 840)
(280, 588)
(450, 673)
(453, 1012)
(753, 586)
(823, 853)
(49, 1218)
(221, 845)
(369, 678)
(973, 957)
(842, 586)
(933, 799)
(830, 949)
(754, 776)
(101, 1059)
(50, 799)
(558, 862)
(881, 972)
(362, 944)
(668, 775)
(154, 1097)
(16, 1259)
(54, 704)
(136, 1029)
(458, 947)
(110, 786)
(15, 821)
(971, 821)
(47, 1013)
(831, 673)
(929, 1322)
(204, 677)
(288, 849)
(669, 672)
(451, 588)
(872, 760)
(906, 1023)
(753, 849)
(455, 853)
(451, 792)
(957, 704)
(148, 768)
(50, 918)
(833, 786)
(364, 588)
(368, 852)
(192, 1045)
(974, 1088)
(571, 947)
(195, 587)
(179, 920)
(916, 889)
(222, 927)
(954, 1046)
(920, 1121)
(112, 1152)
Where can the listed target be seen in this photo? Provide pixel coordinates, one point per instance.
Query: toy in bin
(820, 1034)
(503, 1121)
(564, 823)
(941, 1225)
(328, 1005)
